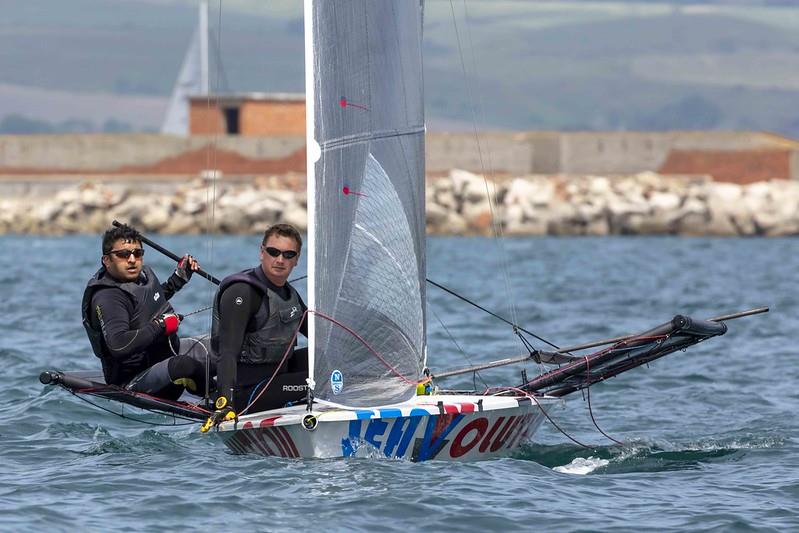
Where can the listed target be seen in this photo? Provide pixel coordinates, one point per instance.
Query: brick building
(248, 115)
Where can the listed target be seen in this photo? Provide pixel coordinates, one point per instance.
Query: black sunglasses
(274, 252)
(138, 253)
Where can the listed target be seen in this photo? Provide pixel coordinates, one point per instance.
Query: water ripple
(710, 440)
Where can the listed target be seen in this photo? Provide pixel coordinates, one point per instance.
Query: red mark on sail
(345, 103)
(346, 190)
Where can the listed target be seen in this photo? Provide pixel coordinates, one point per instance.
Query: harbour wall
(458, 203)
(735, 157)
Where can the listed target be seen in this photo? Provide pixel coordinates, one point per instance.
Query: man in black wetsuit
(257, 315)
(130, 323)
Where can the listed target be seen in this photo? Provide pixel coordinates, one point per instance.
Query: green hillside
(529, 65)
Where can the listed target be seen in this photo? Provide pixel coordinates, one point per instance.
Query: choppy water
(710, 435)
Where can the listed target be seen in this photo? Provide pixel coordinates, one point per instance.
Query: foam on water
(582, 466)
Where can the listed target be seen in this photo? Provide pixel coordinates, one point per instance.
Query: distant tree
(15, 124)
(75, 125)
(116, 126)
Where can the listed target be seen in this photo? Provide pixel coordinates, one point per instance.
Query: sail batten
(367, 236)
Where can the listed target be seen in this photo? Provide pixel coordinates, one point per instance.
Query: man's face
(121, 264)
(278, 268)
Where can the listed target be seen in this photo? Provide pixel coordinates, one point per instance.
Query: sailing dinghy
(366, 268)
(369, 390)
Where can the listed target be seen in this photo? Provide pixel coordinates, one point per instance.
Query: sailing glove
(224, 411)
(169, 322)
(184, 270)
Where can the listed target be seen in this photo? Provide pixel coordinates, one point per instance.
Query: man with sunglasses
(257, 315)
(131, 325)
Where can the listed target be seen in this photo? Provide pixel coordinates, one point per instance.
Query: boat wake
(581, 466)
(643, 456)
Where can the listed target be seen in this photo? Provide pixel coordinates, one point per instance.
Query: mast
(312, 154)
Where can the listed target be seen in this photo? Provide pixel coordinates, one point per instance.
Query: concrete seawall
(736, 157)
(457, 204)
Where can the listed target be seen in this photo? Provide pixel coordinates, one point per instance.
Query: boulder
(296, 215)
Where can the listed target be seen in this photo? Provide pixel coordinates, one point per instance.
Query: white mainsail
(193, 78)
(366, 250)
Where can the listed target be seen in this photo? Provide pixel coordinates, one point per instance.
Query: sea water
(708, 436)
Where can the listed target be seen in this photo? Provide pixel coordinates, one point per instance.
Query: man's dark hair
(283, 230)
(124, 232)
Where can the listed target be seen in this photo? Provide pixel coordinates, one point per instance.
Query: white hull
(441, 427)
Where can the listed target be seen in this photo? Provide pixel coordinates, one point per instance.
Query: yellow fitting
(207, 425)
(221, 402)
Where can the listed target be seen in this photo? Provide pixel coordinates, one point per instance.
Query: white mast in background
(204, 47)
(193, 79)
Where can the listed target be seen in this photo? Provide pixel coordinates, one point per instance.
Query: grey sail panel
(368, 212)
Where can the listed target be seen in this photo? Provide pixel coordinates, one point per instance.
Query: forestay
(366, 199)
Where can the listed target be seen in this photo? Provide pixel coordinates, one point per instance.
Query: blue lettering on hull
(394, 442)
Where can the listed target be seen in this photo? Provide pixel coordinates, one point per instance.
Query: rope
(590, 410)
(551, 421)
(290, 350)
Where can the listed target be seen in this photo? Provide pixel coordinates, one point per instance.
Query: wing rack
(583, 371)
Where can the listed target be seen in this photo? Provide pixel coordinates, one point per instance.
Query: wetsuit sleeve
(237, 305)
(112, 310)
(172, 285)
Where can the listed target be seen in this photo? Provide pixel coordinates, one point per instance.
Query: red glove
(169, 322)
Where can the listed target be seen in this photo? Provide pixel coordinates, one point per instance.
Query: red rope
(289, 350)
(368, 347)
(348, 330)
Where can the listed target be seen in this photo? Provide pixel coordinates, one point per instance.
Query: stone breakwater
(641, 204)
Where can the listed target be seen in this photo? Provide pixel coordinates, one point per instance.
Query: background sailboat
(192, 80)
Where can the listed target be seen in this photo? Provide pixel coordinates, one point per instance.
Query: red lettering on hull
(487, 439)
(459, 447)
(503, 435)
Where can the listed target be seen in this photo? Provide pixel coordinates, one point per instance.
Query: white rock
(664, 201)
(460, 178)
(296, 215)
(446, 199)
(435, 215)
(264, 210)
(478, 190)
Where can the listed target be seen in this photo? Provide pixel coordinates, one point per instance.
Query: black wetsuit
(127, 340)
(237, 307)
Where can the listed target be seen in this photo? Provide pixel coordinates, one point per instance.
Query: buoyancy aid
(271, 331)
(149, 302)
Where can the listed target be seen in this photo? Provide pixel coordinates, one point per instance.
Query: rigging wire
(211, 160)
(476, 374)
(496, 224)
(470, 302)
(174, 416)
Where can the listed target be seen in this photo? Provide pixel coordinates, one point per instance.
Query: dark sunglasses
(274, 252)
(138, 253)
